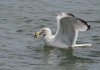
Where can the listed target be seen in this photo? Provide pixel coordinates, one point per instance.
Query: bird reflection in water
(64, 57)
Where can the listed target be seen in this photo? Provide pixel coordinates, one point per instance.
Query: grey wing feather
(67, 33)
(69, 27)
(83, 25)
(80, 24)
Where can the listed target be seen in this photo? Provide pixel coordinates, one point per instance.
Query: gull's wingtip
(85, 23)
(89, 26)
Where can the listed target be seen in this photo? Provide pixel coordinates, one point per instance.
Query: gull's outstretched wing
(81, 25)
(68, 27)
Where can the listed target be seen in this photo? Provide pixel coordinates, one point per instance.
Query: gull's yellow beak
(37, 34)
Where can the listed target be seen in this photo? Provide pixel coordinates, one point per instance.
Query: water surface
(20, 51)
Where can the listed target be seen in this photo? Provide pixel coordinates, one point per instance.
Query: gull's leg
(76, 45)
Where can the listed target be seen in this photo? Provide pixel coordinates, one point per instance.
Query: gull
(68, 26)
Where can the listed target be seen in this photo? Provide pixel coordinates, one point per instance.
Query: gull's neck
(48, 36)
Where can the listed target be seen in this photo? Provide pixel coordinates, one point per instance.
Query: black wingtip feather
(86, 23)
(70, 14)
(89, 27)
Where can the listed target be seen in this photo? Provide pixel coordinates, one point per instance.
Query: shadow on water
(64, 57)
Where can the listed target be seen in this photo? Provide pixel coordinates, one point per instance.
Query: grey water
(19, 19)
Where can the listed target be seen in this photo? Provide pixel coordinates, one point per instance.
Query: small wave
(98, 21)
